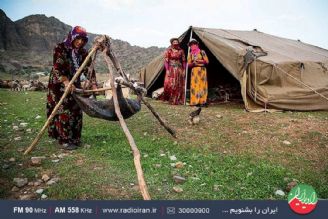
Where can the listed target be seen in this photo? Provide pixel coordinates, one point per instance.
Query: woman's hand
(65, 81)
(94, 87)
(72, 88)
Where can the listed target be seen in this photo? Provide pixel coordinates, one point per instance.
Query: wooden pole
(118, 67)
(186, 78)
(135, 150)
(157, 116)
(81, 91)
(54, 111)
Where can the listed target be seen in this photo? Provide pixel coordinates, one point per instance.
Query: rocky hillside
(26, 46)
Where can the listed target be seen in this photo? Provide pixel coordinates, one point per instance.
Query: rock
(39, 191)
(15, 189)
(21, 149)
(52, 181)
(61, 156)
(177, 189)
(249, 174)
(27, 197)
(29, 130)
(15, 127)
(244, 132)
(279, 192)
(12, 159)
(18, 138)
(43, 196)
(37, 183)
(45, 177)
(291, 185)
(219, 116)
(146, 155)
(23, 124)
(286, 142)
(20, 182)
(179, 179)
(36, 161)
(175, 143)
(5, 166)
(157, 165)
(145, 133)
(173, 158)
(56, 179)
(135, 188)
(55, 161)
(162, 155)
(38, 117)
(286, 179)
(194, 178)
(216, 187)
(30, 183)
(179, 165)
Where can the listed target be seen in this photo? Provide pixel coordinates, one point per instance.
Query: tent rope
(299, 81)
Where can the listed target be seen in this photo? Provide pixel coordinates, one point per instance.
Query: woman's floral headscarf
(76, 32)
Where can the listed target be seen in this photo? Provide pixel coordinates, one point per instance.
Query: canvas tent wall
(273, 72)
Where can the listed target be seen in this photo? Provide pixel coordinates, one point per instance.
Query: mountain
(26, 46)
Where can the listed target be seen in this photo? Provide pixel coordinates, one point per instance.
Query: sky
(153, 22)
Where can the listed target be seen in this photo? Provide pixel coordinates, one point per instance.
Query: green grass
(221, 161)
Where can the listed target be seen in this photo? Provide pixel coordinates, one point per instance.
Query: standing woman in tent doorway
(197, 60)
(175, 64)
(66, 126)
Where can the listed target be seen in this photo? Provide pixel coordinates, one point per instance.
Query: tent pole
(186, 77)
